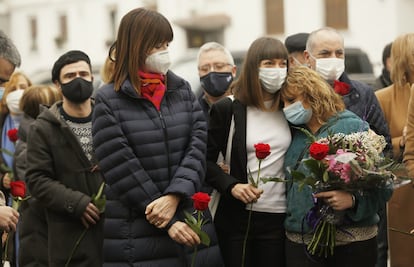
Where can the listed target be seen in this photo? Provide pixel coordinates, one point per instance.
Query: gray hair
(8, 50)
(213, 46)
(312, 39)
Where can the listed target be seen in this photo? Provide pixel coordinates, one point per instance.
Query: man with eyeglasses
(9, 60)
(216, 69)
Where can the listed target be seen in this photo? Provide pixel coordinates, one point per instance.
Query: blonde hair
(322, 99)
(37, 95)
(107, 70)
(402, 58)
(11, 86)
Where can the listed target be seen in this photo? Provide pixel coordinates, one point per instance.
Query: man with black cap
(62, 172)
(296, 45)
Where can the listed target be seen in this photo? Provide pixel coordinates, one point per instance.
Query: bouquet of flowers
(353, 163)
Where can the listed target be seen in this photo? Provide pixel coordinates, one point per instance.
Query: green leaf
(297, 176)
(325, 177)
(99, 200)
(101, 204)
(204, 238)
(189, 219)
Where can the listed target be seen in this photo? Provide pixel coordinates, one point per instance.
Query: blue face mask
(297, 114)
(1, 92)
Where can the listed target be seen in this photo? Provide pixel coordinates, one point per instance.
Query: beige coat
(401, 205)
(394, 103)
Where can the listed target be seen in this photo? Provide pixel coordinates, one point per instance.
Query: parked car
(357, 65)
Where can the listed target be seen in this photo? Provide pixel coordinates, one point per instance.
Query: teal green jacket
(300, 202)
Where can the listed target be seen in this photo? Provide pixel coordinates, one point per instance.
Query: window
(336, 14)
(62, 38)
(112, 16)
(33, 33)
(275, 18)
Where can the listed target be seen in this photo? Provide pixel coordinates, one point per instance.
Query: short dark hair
(296, 42)
(8, 50)
(68, 58)
(386, 53)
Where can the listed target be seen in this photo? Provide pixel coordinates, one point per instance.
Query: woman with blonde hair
(10, 118)
(310, 103)
(395, 103)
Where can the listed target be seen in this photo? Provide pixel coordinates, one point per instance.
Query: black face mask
(216, 83)
(78, 90)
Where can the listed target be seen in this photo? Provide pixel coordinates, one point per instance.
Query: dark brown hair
(248, 89)
(140, 31)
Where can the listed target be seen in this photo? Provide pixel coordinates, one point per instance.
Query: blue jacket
(300, 202)
(362, 101)
(144, 154)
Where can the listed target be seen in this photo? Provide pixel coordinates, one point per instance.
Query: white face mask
(13, 100)
(330, 68)
(272, 78)
(158, 62)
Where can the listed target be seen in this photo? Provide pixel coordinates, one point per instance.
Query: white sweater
(268, 128)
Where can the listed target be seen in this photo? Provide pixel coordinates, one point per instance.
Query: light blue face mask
(297, 114)
(1, 92)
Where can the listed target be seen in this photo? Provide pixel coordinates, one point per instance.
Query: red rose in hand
(341, 87)
(201, 201)
(262, 150)
(18, 189)
(318, 151)
(12, 134)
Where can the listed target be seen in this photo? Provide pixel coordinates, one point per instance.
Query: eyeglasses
(213, 67)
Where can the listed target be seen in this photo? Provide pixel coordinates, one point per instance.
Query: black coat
(62, 180)
(144, 154)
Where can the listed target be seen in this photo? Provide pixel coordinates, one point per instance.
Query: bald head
(325, 52)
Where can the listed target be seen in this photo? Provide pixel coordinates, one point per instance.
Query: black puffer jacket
(144, 154)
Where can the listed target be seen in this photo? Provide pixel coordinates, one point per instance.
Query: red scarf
(152, 87)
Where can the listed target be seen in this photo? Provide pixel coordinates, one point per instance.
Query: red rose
(341, 87)
(18, 189)
(318, 151)
(201, 201)
(262, 150)
(12, 134)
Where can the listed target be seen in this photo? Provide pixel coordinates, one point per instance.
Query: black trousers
(265, 243)
(355, 254)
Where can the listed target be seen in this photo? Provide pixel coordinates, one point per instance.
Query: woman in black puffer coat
(150, 134)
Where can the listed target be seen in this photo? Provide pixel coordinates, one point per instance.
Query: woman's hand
(337, 199)
(182, 233)
(246, 193)
(160, 211)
